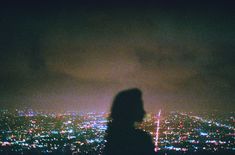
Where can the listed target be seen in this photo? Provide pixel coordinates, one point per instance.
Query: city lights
(83, 133)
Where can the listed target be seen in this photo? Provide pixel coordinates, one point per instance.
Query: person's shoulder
(143, 134)
(139, 131)
(146, 142)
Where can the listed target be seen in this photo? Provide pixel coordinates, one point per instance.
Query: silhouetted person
(122, 137)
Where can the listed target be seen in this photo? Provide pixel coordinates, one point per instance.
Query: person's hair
(127, 106)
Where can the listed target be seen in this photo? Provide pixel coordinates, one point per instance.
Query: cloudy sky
(78, 56)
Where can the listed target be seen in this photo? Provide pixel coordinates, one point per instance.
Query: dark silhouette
(122, 138)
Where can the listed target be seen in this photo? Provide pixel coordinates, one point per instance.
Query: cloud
(82, 57)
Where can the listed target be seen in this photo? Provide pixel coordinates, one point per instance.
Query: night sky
(78, 56)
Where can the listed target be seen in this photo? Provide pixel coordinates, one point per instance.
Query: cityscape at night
(117, 78)
(35, 132)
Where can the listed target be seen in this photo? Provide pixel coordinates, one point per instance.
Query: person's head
(128, 106)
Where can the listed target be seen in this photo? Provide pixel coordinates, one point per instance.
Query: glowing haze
(77, 57)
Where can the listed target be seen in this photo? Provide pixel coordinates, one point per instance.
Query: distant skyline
(78, 56)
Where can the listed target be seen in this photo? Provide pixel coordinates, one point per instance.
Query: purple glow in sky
(79, 56)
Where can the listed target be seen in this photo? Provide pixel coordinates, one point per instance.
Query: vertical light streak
(157, 130)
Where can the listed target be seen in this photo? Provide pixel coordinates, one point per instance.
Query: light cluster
(33, 132)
